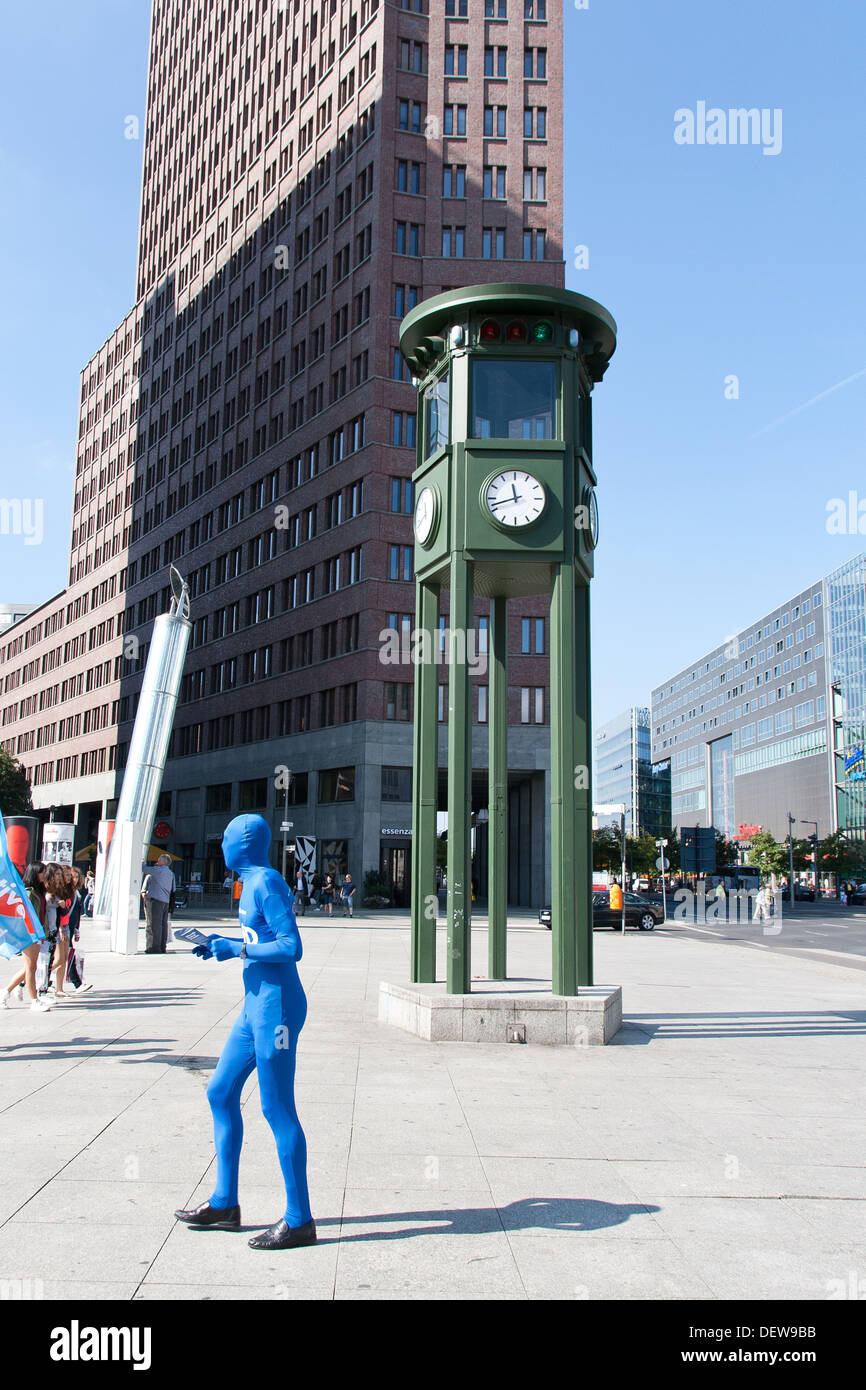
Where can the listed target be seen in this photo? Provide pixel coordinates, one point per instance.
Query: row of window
(412, 117)
(493, 9)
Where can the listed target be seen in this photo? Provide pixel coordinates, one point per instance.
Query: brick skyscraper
(310, 172)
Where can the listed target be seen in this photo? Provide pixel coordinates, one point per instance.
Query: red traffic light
(489, 331)
(516, 332)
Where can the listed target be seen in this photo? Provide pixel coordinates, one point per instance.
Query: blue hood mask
(247, 843)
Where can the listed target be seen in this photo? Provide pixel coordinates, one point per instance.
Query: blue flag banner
(19, 924)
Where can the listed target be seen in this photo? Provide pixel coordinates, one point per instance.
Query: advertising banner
(22, 841)
(57, 842)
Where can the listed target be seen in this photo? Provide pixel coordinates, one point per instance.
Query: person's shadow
(528, 1214)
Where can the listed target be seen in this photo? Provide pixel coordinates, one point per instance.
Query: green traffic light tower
(505, 508)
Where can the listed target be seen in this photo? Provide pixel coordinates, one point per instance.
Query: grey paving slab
(591, 1269)
(152, 1292)
(70, 1250)
(69, 1291)
(462, 1262)
(224, 1257)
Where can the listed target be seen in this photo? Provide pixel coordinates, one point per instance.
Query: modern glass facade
(749, 728)
(846, 635)
(625, 775)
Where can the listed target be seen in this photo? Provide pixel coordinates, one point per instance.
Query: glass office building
(625, 774)
(846, 637)
(774, 719)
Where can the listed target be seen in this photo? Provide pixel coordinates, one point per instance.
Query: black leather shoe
(223, 1218)
(283, 1237)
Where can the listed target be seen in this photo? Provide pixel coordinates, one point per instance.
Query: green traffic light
(542, 332)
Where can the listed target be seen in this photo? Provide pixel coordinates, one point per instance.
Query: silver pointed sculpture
(118, 893)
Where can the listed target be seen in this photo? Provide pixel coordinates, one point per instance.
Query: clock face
(590, 501)
(515, 498)
(425, 515)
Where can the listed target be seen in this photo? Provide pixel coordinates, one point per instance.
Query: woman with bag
(26, 978)
(75, 963)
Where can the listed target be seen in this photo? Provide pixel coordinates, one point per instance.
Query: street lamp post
(791, 820)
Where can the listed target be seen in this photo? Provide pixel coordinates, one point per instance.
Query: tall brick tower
(311, 171)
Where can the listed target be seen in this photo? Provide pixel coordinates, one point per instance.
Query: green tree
(672, 850)
(726, 850)
(838, 854)
(606, 849)
(642, 855)
(767, 854)
(14, 786)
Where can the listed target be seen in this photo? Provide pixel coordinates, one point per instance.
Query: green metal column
(497, 863)
(571, 811)
(424, 789)
(459, 783)
(583, 785)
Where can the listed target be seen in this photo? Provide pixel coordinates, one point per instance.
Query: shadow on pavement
(33, 1051)
(129, 999)
(640, 1029)
(529, 1214)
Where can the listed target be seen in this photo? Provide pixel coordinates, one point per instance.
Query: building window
(535, 122)
(534, 244)
(337, 784)
(454, 120)
(397, 701)
(495, 121)
(454, 241)
(493, 243)
(396, 784)
(495, 62)
(532, 704)
(454, 181)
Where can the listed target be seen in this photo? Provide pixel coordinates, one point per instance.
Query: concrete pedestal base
(500, 1012)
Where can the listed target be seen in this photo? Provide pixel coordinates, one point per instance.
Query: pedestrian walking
(156, 890)
(763, 902)
(89, 886)
(75, 962)
(300, 892)
(25, 978)
(315, 891)
(328, 891)
(55, 934)
(347, 894)
(67, 906)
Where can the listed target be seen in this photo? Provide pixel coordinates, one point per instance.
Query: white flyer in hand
(191, 934)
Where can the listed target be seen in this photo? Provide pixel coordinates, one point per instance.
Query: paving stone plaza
(716, 1149)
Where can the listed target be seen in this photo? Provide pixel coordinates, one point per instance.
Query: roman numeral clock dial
(514, 499)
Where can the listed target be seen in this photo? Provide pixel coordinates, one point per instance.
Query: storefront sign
(745, 832)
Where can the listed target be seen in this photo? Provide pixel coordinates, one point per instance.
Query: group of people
(324, 893)
(56, 895)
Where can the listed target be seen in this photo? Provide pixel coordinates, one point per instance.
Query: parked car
(803, 893)
(639, 912)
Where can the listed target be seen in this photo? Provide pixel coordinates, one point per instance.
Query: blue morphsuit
(265, 1034)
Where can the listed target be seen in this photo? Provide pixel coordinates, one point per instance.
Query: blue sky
(714, 260)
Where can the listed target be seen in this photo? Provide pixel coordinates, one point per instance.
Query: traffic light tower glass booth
(505, 508)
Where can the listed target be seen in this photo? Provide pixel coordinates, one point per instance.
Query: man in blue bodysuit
(265, 1036)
